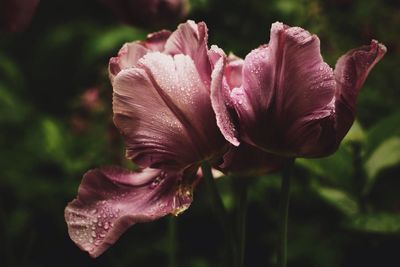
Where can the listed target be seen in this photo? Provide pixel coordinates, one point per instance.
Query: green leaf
(385, 156)
(356, 133)
(336, 169)
(338, 199)
(386, 128)
(383, 223)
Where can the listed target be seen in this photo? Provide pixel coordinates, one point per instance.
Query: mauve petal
(191, 39)
(164, 112)
(288, 88)
(219, 93)
(130, 53)
(110, 200)
(16, 15)
(350, 73)
(249, 161)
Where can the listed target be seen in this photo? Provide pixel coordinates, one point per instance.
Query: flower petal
(350, 73)
(191, 39)
(112, 199)
(286, 85)
(219, 96)
(164, 112)
(130, 53)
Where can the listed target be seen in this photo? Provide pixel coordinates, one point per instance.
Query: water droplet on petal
(93, 234)
(106, 226)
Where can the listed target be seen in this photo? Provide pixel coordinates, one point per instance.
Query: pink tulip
(148, 13)
(16, 15)
(162, 107)
(286, 100)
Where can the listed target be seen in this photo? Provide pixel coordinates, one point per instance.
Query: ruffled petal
(191, 39)
(110, 200)
(350, 73)
(130, 53)
(219, 96)
(289, 89)
(164, 112)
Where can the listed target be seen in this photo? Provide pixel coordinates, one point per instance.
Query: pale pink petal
(191, 39)
(110, 200)
(130, 53)
(164, 112)
(350, 73)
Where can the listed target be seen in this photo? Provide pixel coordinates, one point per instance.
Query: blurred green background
(56, 123)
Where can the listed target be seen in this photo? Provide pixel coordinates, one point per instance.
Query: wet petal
(191, 39)
(287, 88)
(164, 112)
(130, 53)
(350, 73)
(110, 200)
(219, 93)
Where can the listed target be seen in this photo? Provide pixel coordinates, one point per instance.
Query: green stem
(172, 242)
(241, 185)
(284, 211)
(218, 207)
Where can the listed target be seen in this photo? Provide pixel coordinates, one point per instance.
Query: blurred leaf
(11, 108)
(338, 199)
(105, 43)
(387, 127)
(356, 133)
(383, 223)
(336, 169)
(385, 156)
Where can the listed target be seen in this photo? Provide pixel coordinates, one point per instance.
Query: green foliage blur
(56, 123)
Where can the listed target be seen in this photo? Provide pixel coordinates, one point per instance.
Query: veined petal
(350, 73)
(220, 93)
(110, 200)
(130, 53)
(164, 112)
(191, 39)
(286, 86)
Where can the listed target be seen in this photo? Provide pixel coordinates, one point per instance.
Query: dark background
(345, 209)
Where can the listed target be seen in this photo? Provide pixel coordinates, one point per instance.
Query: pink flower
(286, 100)
(16, 15)
(162, 107)
(148, 13)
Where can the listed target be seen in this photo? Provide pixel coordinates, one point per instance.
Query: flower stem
(218, 207)
(241, 185)
(172, 242)
(284, 210)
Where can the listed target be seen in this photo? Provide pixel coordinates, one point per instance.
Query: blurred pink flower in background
(288, 101)
(16, 15)
(148, 13)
